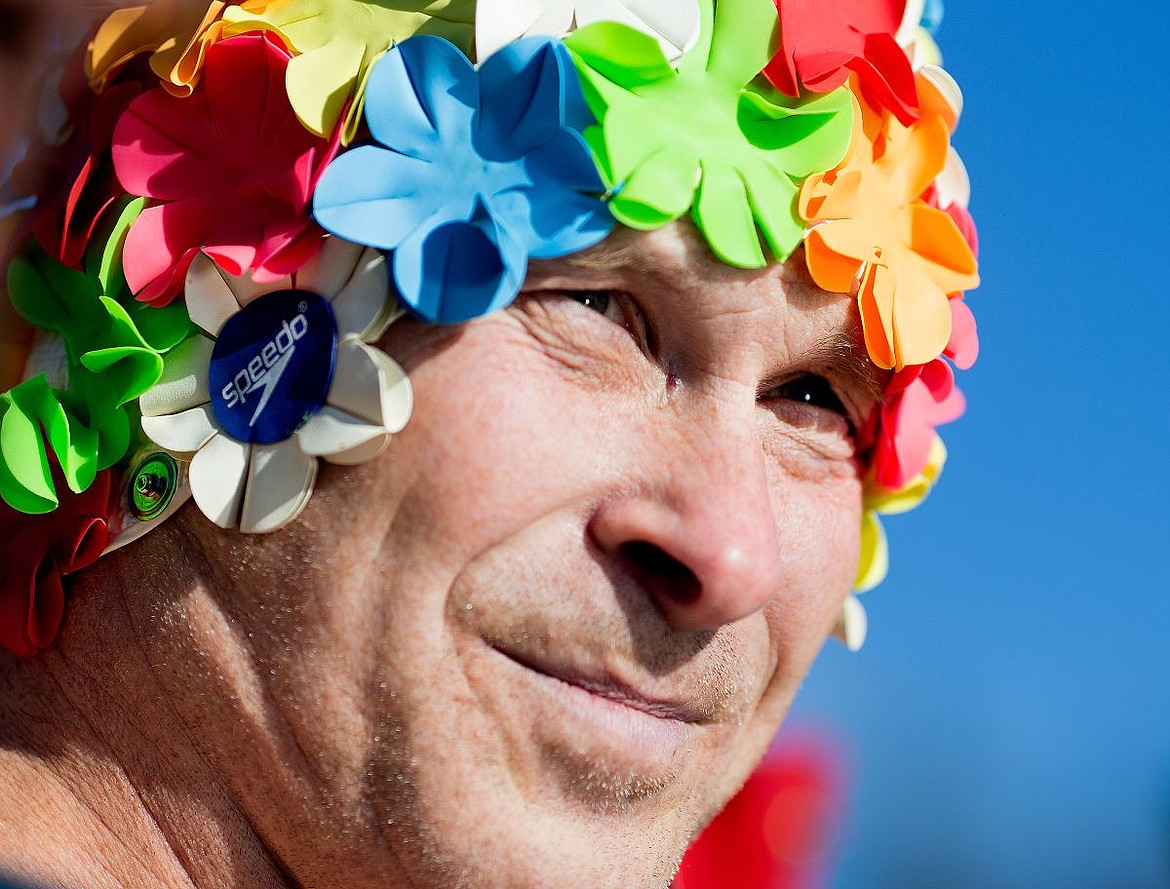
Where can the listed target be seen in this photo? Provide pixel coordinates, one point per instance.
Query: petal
(724, 216)
(371, 386)
(333, 432)
(499, 22)
(829, 269)
(47, 604)
(184, 432)
(915, 157)
(562, 211)
(953, 185)
(659, 189)
(921, 318)
(363, 453)
(210, 301)
(166, 148)
(940, 94)
(217, 476)
(459, 271)
(162, 243)
(852, 625)
(376, 197)
(243, 80)
(321, 82)
(963, 346)
(875, 553)
(673, 23)
(280, 482)
(523, 89)
(875, 299)
(935, 238)
(331, 269)
(419, 93)
(184, 380)
(364, 307)
(773, 205)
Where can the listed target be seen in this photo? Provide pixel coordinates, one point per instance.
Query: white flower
(673, 23)
(263, 483)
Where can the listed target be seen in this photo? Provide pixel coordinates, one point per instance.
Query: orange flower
(871, 230)
(176, 33)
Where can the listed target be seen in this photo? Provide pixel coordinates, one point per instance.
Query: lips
(609, 687)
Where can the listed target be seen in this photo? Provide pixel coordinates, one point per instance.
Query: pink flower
(821, 43)
(918, 399)
(37, 552)
(230, 171)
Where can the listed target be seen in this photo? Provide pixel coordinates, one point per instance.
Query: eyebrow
(628, 259)
(842, 354)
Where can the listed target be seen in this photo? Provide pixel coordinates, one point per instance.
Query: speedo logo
(264, 370)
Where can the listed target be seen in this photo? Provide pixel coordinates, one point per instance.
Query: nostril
(661, 573)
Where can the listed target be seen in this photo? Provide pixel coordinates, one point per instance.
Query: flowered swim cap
(245, 196)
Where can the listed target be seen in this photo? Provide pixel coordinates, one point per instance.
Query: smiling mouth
(610, 689)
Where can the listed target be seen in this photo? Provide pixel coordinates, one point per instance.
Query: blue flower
(475, 172)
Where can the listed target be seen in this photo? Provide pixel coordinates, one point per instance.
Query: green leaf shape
(710, 137)
(30, 414)
(114, 347)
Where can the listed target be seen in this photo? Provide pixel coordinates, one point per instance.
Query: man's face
(542, 639)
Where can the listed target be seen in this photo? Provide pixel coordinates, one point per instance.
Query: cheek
(819, 529)
(493, 445)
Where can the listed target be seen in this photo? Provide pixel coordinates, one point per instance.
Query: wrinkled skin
(636, 500)
(546, 635)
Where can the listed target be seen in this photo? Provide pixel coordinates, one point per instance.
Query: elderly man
(495, 511)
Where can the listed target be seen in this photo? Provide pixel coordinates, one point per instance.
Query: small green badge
(153, 486)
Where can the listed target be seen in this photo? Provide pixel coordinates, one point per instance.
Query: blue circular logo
(272, 366)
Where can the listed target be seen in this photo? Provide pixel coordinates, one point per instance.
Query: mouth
(594, 718)
(609, 688)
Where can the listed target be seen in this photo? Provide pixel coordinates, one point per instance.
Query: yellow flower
(337, 42)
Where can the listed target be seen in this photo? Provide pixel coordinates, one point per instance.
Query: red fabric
(822, 42)
(230, 170)
(777, 832)
(38, 552)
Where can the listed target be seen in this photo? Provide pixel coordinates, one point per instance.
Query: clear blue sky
(1008, 723)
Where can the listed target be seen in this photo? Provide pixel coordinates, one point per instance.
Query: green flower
(113, 353)
(705, 137)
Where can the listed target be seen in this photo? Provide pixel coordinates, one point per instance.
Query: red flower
(230, 170)
(918, 399)
(821, 42)
(64, 229)
(776, 832)
(38, 552)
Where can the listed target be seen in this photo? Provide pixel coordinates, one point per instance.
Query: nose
(701, 535)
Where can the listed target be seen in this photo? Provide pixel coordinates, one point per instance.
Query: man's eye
(812, 390)
(598, 300)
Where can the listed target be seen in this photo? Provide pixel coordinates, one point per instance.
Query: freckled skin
(574, 487)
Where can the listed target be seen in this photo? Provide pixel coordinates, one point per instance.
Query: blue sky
(1008, 723)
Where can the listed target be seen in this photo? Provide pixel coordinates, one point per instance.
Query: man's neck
(100, 784)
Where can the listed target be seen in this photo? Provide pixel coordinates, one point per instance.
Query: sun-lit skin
(625, 490)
